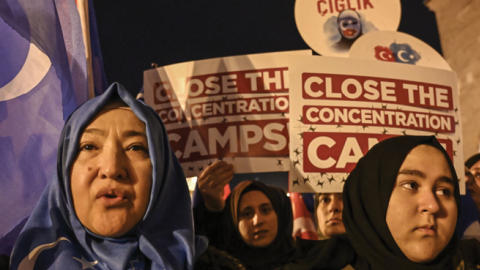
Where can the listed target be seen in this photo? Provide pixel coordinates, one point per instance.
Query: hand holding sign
(211, 183)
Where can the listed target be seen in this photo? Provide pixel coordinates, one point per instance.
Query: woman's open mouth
(260, 234)
(111, 197)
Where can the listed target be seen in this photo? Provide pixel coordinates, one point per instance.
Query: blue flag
(43, 78)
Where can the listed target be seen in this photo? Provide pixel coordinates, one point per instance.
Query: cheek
(477, 182)
(81, 179)
(321, 216)
(450, 220)
(143, 187)
(397, 217)
(243, 228)
(273, 224)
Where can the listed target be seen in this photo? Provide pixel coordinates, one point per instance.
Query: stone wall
(459, 26)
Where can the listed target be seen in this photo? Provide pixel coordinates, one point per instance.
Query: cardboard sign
(330, 27)
(397, 47)
(340, 108)
(232, 108)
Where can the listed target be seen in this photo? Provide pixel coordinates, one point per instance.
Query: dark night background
(135, 34)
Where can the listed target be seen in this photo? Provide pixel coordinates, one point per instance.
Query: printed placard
(340, 108)
(397, 47)
(232, 108)
(330, 27)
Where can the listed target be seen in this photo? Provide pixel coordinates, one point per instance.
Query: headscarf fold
(54, 238)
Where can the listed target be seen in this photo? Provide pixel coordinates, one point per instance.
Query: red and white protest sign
(231, 108)
(340, 108)
(397, 47)
(331, 27)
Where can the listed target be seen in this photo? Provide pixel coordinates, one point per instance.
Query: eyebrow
(94, 131)
(422, 175)
(248, 207)
(128, 133)
(412, 172)
(133, 133)
(265, 204)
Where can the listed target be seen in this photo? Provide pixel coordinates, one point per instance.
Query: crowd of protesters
(119, 200)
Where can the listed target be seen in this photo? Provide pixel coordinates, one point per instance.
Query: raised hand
(211, 184)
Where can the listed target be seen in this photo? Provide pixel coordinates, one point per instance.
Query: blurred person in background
(328, 214)
(254, 224)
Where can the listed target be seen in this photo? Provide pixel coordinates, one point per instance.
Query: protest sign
(231, 108)
(340, 108)
(397, 47)
(330, 27)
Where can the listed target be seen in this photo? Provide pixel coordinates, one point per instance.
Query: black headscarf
(366, 196)
(259, 257)
(368, 243)
(472, 160)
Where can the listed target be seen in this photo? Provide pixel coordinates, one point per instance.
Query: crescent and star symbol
(30, 75)
(29, 261)
(86, 264)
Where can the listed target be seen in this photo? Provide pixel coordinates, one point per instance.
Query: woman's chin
(110, 230)
(109, 226)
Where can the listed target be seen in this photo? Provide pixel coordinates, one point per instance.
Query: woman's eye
(444, 192)
(246, 214)
(266, 211)
(410, 185)
(87, 147)
(137, 147)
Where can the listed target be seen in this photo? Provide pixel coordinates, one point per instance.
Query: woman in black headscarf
(401, 204)
(257, 230)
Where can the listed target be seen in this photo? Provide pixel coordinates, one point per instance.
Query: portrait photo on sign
(330, 27)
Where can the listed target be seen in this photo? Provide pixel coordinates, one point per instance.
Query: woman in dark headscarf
(401, 204)
(118, 200)
(255, 226)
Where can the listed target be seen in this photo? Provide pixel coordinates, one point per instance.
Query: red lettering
(375, 89)
(340, 152)
(366, 3)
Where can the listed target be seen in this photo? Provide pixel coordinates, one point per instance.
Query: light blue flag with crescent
(43, 78)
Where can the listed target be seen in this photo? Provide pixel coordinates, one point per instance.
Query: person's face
(258, 223)
(329, 214)
(473, 179)
(111, 177)
(422, 211)
(350, 27)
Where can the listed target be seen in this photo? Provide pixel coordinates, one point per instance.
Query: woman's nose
(257, 219)
(336, 204)
(469, 179)
(112, 162)
(429, 203)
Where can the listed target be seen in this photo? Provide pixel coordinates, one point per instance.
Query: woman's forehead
(116, 115)
(423, 156)
(115, 104)
(253, 198)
